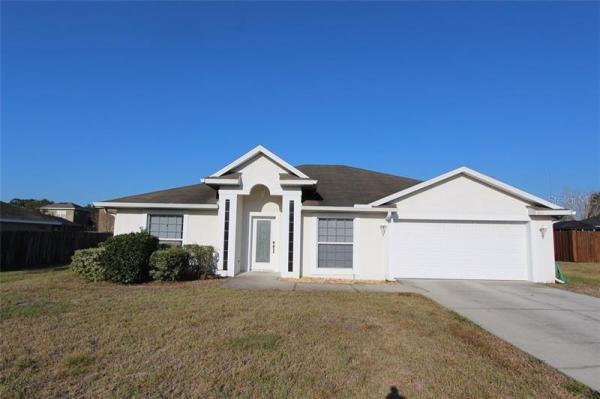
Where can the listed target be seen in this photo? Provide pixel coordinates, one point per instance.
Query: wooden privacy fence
(42, 248)
(577, 246)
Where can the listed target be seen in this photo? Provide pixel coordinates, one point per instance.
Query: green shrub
(126, 257)
(201, 261)
(88, 263)
(169, 264)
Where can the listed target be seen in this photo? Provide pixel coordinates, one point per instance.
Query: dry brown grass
(61, 337)
(583, 278)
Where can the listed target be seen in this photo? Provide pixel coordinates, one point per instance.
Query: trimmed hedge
(188, 263)
(169, 264)
(88, 264)
(133, 258)
(201, 260)
(126, 257)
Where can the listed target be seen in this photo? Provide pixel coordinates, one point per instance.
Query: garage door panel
(468, 250)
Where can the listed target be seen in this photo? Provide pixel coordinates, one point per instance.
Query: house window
(226, 236)
(335, 243)
(291, 239)
(60, 213)
(168, 228)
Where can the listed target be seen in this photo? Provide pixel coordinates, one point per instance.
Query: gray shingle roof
(340, 185)
(337, 185)
(194, 194)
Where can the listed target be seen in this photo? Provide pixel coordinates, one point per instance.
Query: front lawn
(61, 337)
(581, 277)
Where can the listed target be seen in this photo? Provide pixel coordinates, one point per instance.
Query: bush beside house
(88, 264)
(127, 255)
(135, 257)
(188, 263)
(169, 264)
(201, 261)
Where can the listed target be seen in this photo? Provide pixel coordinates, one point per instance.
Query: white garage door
(459, 250)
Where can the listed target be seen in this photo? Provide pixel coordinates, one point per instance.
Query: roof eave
(550, 212)
(26, 221)
(153, 205)
(215, 181)
(350, 209)
(300, 182)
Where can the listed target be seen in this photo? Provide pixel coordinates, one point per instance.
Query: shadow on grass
(394, 394)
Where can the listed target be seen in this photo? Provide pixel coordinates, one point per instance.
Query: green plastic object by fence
(559, 274)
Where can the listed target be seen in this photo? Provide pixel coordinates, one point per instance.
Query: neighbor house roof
(15, 214)
(63, 205)
(592, 223)
(338, 185)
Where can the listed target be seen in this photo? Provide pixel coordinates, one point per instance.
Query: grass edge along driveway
(583, 278)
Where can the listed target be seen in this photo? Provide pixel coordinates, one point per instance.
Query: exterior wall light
(383, 227)
(389, 217)
(543, 230)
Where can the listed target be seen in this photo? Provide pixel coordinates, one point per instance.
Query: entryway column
(227, 215)
(291, 220)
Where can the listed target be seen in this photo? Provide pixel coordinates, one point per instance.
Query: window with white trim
(335, 243)
(167, 228)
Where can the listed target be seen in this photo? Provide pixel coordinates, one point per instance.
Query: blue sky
(106, 99)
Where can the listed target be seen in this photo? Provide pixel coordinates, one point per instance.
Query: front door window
(263, 241)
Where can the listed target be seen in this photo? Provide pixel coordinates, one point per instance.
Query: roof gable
(462, 195)
(474, 175)
(258, 150)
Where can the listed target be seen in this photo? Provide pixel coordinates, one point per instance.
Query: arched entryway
(261, 217)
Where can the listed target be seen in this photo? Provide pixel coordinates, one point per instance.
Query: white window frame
(332, 270)
(168, 214)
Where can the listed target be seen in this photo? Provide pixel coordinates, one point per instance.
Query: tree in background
(594, 209)
(93, 221)
(31, 203)
(586, 205)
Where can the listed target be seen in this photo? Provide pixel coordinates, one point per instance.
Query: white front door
(264, 244)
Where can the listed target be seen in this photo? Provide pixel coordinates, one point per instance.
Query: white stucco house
(262, 214)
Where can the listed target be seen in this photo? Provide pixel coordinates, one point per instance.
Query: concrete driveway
(559, 327)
